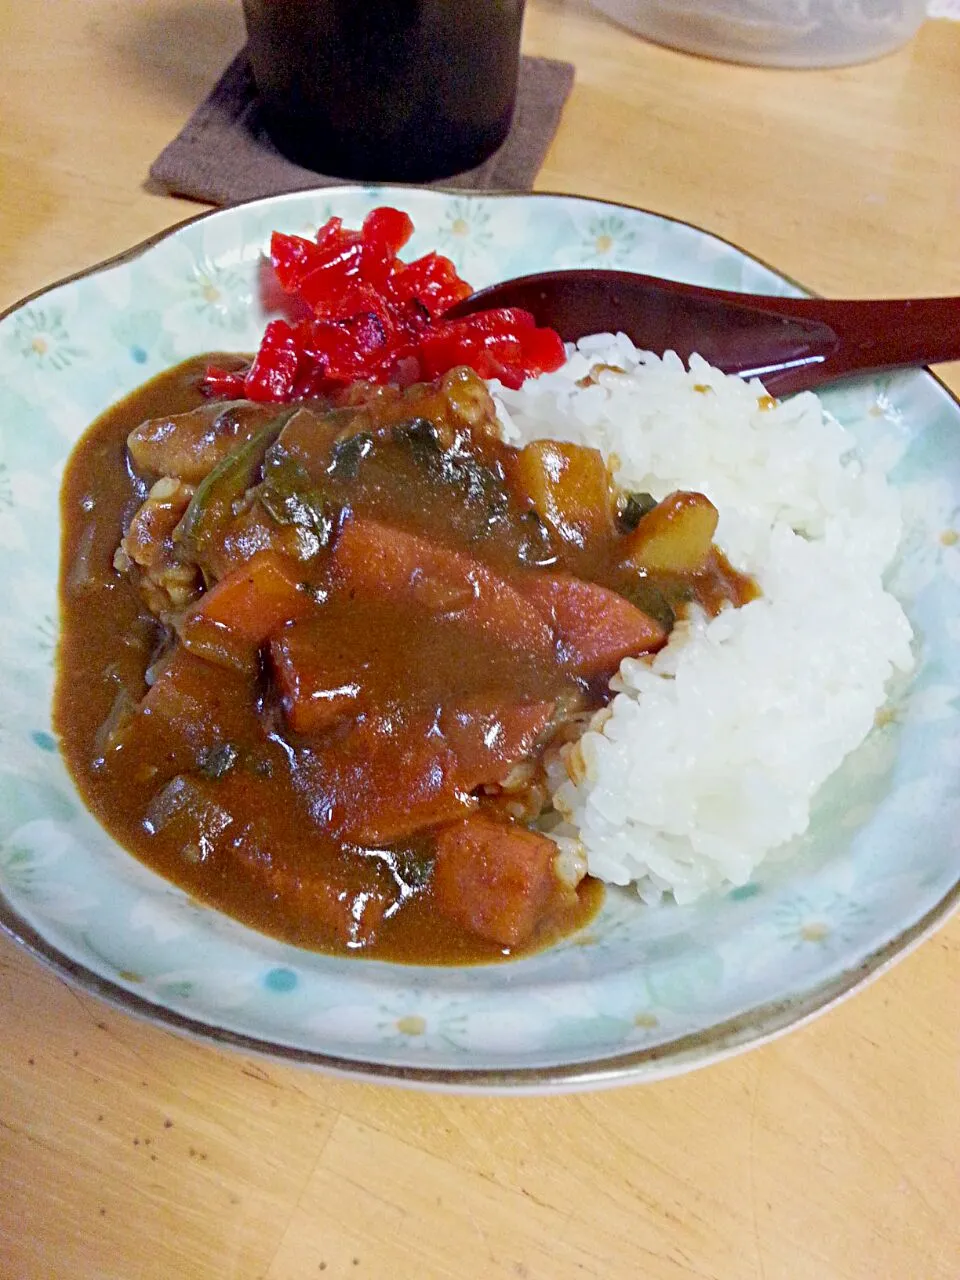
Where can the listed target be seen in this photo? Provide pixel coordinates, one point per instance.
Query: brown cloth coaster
(223, 154)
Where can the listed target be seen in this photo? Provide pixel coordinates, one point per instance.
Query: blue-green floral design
(18, 869)
(31, 866)
(805, 922)
(882, 854)
(40, 335)
(45, 634)
(608, 240)
(403, 1024)
(320, 212)
(466, 230)
(220, 294)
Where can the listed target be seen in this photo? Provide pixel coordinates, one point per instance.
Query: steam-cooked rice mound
(710, 754)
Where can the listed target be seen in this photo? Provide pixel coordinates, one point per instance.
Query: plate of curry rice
(425, 701)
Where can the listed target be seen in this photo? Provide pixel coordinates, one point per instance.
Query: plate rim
(141, 247)
(755, 1026)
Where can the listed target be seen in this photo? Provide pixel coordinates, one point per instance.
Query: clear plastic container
(774, 33)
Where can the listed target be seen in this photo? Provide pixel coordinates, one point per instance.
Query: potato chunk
(569, 486)
(675, 537)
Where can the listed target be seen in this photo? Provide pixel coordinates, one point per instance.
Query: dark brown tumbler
(390, 91)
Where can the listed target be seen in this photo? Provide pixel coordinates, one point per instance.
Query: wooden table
(129, 1154)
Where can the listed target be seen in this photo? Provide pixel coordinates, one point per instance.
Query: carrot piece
(256, 599)
(597, 628)
(495, 879)
(373, 560)
(231, 620)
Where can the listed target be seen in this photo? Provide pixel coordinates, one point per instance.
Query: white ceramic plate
(643, 992)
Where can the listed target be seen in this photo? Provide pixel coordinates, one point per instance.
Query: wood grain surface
(127, 1153)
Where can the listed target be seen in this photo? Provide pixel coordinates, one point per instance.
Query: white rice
(709, 757)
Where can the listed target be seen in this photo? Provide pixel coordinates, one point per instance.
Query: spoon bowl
(792, 344)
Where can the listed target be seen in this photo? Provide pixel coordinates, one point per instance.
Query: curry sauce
(312, 656)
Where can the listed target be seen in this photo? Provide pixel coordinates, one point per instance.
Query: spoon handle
(871, 335)
(791, 343)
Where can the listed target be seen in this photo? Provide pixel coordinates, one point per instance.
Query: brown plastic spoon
(793, 344)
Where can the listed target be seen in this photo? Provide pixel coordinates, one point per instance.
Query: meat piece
(150, 554)
(220, 823)
(384, 779)
(189, 445)
(317, 684)
(470, 403)
(200, 703)
(459, 402)
(497, 880)
(596, 627)
(371, 560)
(391, 774)
(192, 709)
(322, 900)
(355, 655)
(224, 493)
(490, 738)
(251, 530)
(309, 437)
